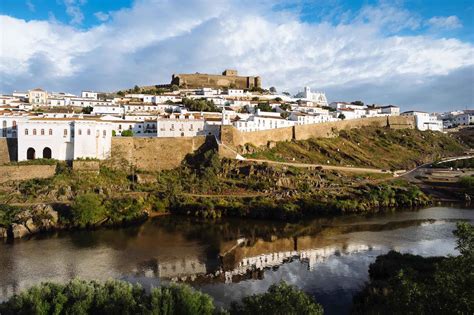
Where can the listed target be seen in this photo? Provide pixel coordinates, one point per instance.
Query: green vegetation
(87, 110)
(200, 105)
(112, 297)
(281, 299)
(87, 209)
(368, 147)
(467, 182)
(409, 284)
(7, 215)
(35, 162)
(119, 297)
(127, 133)
(265, 107)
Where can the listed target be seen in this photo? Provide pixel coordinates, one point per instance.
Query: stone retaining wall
(25, 172)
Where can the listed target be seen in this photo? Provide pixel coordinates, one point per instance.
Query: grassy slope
(372, 147)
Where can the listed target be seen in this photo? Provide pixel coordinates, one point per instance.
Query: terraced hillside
(368, 147)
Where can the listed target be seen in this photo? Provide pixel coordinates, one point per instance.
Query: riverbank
(327, 258)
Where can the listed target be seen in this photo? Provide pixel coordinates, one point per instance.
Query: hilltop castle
(228, 79)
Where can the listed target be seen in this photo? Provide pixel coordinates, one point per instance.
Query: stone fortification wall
(199, 80)
(232, 137)
(152, 154)
(86, 166)
(25, 172)
(8, 150)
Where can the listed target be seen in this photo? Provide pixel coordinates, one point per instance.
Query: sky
(416, 54)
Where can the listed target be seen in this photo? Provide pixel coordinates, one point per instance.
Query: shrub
(279, 299)
(87, 209)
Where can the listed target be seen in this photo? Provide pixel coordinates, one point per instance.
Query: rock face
(32, 220)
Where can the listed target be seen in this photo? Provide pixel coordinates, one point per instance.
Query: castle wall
(25, 172)
(232, 137)
(215, 81)
(152, 154)
(8, 150)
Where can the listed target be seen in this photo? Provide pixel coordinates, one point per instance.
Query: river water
(229, 259)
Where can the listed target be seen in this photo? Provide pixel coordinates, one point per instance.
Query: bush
(112, 297)
(127, 133)
(279, 299)
(87, 209)
(467, 182)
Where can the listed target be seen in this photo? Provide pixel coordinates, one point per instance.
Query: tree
(273, 89)
(286, 93)
(87, 110)
(286, 107)
(87, 209)
(341, 116)
(136, 89)
(278, 99)
(255, 98)
(127, 133)
(280, 299)
(174, 88)
(285, 115)
(121, 93)
(264, 107)
(200, 105)
(358, 103)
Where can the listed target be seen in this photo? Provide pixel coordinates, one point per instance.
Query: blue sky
(418, 54)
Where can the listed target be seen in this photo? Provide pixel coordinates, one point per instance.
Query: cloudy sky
(417, 54)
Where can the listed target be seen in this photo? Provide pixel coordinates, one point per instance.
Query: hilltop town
(63, 126)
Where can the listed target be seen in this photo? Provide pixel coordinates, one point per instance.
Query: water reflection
(231, 258)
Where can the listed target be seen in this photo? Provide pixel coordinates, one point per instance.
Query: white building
(63, 139)
(425, 121)
(37, 97)
(108, 110)
(466, 118)
(89, 94)
(317, 98)
(182, 125)
(235, 92)
(390, 110)
(306, 119)
(261, 121)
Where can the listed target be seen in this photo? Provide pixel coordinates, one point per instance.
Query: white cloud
(73, 10)
(445, 22)
(145, 44)
(30, 6)
(101, 16)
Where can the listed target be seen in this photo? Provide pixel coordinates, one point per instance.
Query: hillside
(368, 147)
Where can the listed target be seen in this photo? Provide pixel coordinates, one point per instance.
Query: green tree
(265, 107)
(280, 299)
(136, 89)
(87, 209)
(87, 110)
(341, 116)
(357, 103)
(273, 89)
(174, 88)
(127, 133)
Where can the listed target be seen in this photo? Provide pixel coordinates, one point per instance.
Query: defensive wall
(199, 80)
(8, 150)
(232, 137)
(25, 172)
(152, 154)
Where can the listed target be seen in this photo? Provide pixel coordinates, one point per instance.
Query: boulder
(3, 232)
(19, 230)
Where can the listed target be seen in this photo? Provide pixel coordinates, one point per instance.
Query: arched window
(34, 132)
(42, 132)
(50, 132)
(26, 131)
(65, 133)
(14, 124)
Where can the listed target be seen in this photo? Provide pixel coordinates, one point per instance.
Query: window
(34, 132)
(120, 126)
(4, 124)
(97, 133)
(88, 132)
(79, 131)
(104, 133)
(42, 132)
(65, 133)
(26, 132)
(50, 132)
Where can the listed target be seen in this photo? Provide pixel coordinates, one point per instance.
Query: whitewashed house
(63, 139)
(425, 121)
(89, 94)
(466, 118)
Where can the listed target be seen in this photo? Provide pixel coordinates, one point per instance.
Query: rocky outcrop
(31, 220)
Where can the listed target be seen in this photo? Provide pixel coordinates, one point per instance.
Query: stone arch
(30, 154)
(47, 153)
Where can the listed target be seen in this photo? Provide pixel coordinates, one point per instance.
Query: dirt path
(326, 167)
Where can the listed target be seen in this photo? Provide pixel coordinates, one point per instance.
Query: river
(228, 259)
